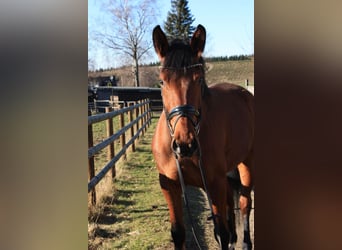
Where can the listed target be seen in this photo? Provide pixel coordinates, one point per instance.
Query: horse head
(182, 85)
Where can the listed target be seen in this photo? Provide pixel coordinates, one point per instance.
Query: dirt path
(200, 212)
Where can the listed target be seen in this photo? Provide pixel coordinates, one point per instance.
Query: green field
(231, 71)
(221, 71)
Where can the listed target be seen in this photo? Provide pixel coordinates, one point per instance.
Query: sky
(229, 25)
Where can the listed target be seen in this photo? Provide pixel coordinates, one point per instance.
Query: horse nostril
(184, 150)
(175, 147)
(193, 146)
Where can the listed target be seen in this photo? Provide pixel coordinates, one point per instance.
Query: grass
(136, 215)
(231, 71)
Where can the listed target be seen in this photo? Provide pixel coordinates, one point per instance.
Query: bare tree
(91, 64)
(132, 22)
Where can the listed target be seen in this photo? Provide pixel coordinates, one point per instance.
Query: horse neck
(205, 103)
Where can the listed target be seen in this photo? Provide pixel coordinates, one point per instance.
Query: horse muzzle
(184, 149)
(188, 145)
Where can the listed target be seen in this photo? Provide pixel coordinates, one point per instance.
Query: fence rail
(142, 120)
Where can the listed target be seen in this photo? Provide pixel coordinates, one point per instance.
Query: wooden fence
(141, 111)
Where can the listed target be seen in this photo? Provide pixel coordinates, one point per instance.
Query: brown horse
(202, 129)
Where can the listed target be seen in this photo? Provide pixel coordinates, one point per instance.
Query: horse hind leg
(234, 184)
(219, 205)
(247, 243)
(246, 178)
(231, 224)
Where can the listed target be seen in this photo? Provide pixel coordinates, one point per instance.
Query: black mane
(179, 55)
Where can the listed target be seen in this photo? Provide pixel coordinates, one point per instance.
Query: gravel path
(205, 229)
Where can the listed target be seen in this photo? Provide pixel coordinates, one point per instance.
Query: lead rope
(216, 228)
(185, 198)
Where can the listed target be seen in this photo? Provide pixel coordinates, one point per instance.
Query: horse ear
(160, 42)
(198, 40)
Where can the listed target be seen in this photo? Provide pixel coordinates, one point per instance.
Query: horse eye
(161, 82)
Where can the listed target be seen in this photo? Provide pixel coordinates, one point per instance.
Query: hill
(230, 71)
(221, 71)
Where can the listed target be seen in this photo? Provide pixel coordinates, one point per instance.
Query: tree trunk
(136, 67)
(136, 73)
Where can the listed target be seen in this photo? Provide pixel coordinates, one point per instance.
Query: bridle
(190, 112)
(187, 111)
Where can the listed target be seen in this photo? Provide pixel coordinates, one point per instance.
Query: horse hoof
(231, 246)
(247, 246)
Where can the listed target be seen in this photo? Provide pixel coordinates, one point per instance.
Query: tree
(179, 20)
(91, 64)
(131, 23)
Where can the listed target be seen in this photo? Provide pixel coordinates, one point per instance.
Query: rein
(186, 202)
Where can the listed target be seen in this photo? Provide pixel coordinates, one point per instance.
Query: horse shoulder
(160, 138)
(161, 149)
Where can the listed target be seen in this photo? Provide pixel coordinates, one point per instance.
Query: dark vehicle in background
(92, 95)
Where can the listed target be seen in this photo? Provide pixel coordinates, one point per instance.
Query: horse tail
(234, 182)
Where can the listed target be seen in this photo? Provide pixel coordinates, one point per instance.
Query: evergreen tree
(179, 20)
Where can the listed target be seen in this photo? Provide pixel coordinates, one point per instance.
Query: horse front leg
(246, 201)
(220, 209)
(172, 193)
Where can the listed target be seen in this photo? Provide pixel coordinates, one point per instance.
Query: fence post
(91, 165)
(149, 112)
(136, 116)
(142, 118)
(132, 128)
(146, 116)
(110, 131)
(123, 136)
